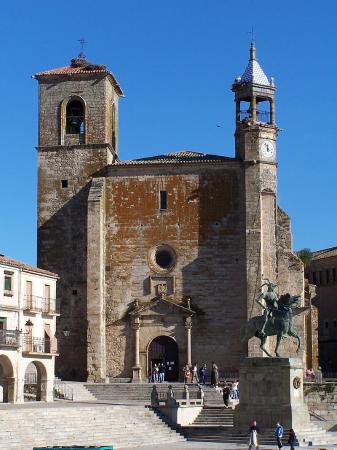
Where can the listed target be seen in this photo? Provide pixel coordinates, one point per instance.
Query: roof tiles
(184, 156)
(25, 267)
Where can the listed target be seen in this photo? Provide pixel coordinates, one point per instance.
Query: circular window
(162, 258)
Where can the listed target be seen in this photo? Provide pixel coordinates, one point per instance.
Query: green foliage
(321, 389)
(305, 256)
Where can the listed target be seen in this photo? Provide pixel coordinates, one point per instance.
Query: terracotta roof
(25, 267)
(79, 66)
(184, 156)
(325, 253)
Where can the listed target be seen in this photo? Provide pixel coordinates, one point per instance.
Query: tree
(305, 256)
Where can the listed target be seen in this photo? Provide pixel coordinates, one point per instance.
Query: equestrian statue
(276, 320)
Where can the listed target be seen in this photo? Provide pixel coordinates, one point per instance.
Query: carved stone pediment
(160, 306)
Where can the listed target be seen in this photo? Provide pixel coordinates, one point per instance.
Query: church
(161, 258)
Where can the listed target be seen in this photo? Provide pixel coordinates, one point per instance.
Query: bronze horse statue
(279, 325)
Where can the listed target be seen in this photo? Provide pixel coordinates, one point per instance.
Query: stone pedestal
(271, 390)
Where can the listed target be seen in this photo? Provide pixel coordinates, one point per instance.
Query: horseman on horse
(270, 304)
(276, 320)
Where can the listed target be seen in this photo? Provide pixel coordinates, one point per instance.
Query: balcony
(10, 338)
(39, 345)
(35, 304)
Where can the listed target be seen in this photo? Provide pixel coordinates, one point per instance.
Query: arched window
(75, 117)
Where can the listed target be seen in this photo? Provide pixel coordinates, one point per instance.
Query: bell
(74, 122)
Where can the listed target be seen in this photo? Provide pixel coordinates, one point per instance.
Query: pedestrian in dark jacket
(292, 440)
(225, 394)
(254, 430)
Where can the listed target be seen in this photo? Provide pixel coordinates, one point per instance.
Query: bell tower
(255, 147)
(78, 139)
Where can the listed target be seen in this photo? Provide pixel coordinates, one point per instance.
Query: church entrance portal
(164, 350)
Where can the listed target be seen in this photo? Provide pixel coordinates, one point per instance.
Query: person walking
(203, 373)
(225, 394)
(195, 374)
(292, 440)
(279, 434)
(254, 430)
(214, 375)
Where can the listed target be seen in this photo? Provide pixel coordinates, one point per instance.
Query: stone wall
(203, 224)
(290, 279)
(322, 400)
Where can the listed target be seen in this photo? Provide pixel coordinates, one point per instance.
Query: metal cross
(82, 41)
(251, 34)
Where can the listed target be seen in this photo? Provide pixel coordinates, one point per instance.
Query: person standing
(234, 390)
(225, 394)
(292, 440)
(161, 373)
(195, 374)
(279, 434)
(214, 375)
(254, 430)
(202, 373)
(186, 373)
(155, 373)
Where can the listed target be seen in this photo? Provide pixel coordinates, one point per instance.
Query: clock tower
(255, 146)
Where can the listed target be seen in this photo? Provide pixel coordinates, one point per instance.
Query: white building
(28, 347)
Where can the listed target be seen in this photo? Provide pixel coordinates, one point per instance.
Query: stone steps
(121, 392)
(230, 435)
(215, 416)
(22, 428)
(215, 424)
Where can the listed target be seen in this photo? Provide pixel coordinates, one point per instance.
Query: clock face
(267, 149)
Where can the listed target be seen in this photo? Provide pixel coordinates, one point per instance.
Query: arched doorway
(164, 350)
(6, 380)
(35, 382)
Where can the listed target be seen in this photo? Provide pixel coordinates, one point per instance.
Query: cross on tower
(82, 41)
(251, 32)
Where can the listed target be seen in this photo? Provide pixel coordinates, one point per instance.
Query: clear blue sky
(176, 61)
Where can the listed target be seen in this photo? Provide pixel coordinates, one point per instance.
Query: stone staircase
(213, 416)
(141, 393)
(215, 424)
(63, 423)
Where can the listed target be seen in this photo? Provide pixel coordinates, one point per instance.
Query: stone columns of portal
(272, 111)
(253, 108)
(136, 369)
(188, 326)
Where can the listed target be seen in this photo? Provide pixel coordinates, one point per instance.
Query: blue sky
(176, 61)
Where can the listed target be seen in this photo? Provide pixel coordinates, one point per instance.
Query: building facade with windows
(160, 258)
(322, 272)
(28, 346)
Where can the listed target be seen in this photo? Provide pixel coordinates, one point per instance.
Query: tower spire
(252, 51)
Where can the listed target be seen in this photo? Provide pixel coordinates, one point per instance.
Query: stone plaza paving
(218, 446)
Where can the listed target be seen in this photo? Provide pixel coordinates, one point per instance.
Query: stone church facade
(160, 259)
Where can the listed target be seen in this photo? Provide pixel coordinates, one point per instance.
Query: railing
(261, 116)
(41, 304)
(39, 345)
(31, 377)
(63, 391)
(10, 338)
